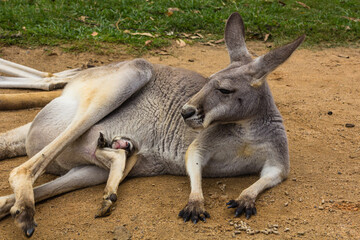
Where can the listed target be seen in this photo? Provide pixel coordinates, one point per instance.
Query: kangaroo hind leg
(97, 91)
(12, 143)
(76, 178)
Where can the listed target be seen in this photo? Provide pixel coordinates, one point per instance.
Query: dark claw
(194, 219)
(248, 213)
(186, 216)
(181, 213)
(206, 214)
(254, 212)
(232, 204)
(29, 232)
(239, 211)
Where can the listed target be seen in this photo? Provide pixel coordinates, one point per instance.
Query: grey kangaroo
(135, 118)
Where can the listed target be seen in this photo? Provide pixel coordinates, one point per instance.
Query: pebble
(286, 204)
(349, 125)
(322, 201)
(286, 193)
(286, 229)
(294, 179)
(237, 232)
(321, 208)
(301, 233)
(330, 113)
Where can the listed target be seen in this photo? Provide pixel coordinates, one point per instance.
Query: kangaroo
(135, 118)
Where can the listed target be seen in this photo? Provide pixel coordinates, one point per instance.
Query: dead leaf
(194, 37)
(198, 34)
(163, 52)
(351, 19)
(82, 18)
(140, 34)
(169, 14)
(148, 42)
(186, 35)
(219, 41)
(173, 9)
(180, 43)
(303, 4)
(209, 44)
(266, 37)
(196, 11)
(94, 34)
(347, 28)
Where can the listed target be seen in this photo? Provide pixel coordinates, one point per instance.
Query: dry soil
(317, 92)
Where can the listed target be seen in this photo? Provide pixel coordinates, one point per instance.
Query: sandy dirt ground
(319, 200)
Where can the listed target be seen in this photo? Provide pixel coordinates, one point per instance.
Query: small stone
(300, 199)
(323, 201)
(286, 204)
(286, 193)
(301, 233)
(237, 232)
(321, 208)
(231, 223)
(330, 113)
(286, 229)
(349, 125)
(294, 179)
(275, 225)
(275, 232)
(191, 60)
(339, 172)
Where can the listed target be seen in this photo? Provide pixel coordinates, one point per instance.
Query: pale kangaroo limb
(15, 69)
(12, 143)
(194, 209)
(76, 178)
(27, 77)
(97, 92)
(116, 158)
(245, 203)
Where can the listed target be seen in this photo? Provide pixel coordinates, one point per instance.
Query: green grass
(58, 22)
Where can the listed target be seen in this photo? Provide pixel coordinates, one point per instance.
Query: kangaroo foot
(24, 218)
(107, 205)
(195, 211)
(243, 205)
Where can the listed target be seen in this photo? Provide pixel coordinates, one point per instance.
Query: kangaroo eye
(226, 91)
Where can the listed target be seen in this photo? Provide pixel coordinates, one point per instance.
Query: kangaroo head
(239, 91)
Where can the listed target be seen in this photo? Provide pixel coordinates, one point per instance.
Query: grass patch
(91, 22)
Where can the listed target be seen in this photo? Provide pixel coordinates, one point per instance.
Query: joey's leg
(194, 209)
(12, 143)
(96, 93)
(115, 159)
(245, 203)
(76, 178)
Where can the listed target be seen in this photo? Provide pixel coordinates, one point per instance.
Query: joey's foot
(195, 211)
(107, 205)
(24, 219)
(243, 205)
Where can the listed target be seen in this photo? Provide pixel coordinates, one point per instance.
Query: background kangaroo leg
(12, 143)
(245, 203)
(76, 178)
(97, 92)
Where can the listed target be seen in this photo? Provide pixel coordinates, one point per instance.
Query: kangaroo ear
(265, 64)
(235, 39)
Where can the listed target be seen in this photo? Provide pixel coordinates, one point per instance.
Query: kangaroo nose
(187, 112)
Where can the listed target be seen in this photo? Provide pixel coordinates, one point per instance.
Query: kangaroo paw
(107, 205)
(195, 211)
(243, 205)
